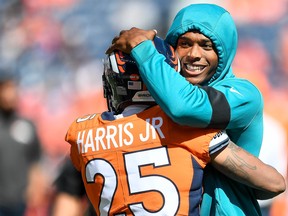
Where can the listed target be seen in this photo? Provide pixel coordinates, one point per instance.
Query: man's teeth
(194, 68)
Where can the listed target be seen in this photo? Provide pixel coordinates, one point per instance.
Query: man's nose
(195, 51)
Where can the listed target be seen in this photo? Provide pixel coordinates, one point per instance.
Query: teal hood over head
(215, 23)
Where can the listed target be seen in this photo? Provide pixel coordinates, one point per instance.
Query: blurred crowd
(55, 49)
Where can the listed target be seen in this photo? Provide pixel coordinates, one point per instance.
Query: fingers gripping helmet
(122, 83)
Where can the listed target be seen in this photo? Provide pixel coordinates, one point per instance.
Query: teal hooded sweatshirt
(224, 102)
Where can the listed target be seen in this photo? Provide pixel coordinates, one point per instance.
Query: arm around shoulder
(243, 167)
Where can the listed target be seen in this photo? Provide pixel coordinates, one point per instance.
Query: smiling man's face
(199, 59)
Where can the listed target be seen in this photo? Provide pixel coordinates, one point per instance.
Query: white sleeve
(219, 141)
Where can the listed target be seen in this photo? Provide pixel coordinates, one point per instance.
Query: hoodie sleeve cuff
(143, 51)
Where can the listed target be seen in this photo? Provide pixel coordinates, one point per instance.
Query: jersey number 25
(137, 183)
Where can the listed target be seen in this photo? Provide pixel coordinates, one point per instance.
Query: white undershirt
(131, 110)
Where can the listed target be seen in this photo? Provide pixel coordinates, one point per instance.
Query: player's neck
(131, 110)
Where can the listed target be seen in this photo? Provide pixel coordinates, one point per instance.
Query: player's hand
(128, 39)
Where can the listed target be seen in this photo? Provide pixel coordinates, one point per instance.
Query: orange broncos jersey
(143, 164)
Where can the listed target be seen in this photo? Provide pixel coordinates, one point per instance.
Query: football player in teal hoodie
(205, 38)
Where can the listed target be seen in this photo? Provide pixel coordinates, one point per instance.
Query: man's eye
(208, 46)
(184, 44)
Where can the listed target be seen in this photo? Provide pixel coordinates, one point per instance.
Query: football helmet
(122, 83)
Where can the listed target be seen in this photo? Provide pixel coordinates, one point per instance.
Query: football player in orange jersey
(135, 160)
